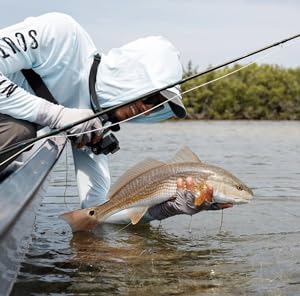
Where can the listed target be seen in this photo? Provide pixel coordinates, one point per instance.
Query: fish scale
(153, 187)
(152, 182)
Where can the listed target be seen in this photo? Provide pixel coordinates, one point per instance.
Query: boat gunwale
(17, 215)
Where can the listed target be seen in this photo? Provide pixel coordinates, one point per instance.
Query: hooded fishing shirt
(56, 47)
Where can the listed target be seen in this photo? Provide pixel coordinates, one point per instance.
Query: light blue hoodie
(137, 68)
(56, 47)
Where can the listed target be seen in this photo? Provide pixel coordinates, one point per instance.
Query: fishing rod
(104, 113)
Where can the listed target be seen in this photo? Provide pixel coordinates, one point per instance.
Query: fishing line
(185, 92)
(26, 143)
(222, 217)
(119, 230)
(30, 145)
(153, 108)
(135, 116)
(67, 179)
(159, 224)
(190, 224)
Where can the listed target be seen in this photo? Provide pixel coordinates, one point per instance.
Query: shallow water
(256, 252)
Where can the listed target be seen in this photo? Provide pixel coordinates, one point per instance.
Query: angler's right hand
(187, 200)
(58, 116)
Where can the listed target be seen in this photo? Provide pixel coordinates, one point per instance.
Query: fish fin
(185, 154)
(134, 172)
(136, 214)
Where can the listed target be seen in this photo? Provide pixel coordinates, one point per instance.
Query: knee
(14, 130)
(24, 131)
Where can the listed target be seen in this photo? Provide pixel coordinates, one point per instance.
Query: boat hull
(20, 196)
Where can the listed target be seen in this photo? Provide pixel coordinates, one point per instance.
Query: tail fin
(81, 220)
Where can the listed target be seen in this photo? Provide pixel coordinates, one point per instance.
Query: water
(256, 252)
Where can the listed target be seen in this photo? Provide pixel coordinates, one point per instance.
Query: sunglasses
(155, 100)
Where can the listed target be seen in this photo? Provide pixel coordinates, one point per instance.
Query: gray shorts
(13, 131)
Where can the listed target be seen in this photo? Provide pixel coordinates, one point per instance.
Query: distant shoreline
(258, 92)
(205, 119)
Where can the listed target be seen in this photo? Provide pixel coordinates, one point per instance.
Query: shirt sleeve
(36, 43)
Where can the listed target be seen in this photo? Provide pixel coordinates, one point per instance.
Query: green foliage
(256, 92)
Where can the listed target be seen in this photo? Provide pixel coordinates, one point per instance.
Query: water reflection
(146, 259)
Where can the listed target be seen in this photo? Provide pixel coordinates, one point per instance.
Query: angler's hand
(58, 116)
(188, 200)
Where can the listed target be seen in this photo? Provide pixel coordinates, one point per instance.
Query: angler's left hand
(188, 200)
(87, 139)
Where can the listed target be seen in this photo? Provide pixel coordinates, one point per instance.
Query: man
(57, 48)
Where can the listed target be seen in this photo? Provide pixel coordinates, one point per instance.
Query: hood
(136, 68)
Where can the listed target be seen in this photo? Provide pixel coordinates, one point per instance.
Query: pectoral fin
(136, 214)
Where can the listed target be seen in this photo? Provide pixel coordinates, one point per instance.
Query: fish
(152, 182)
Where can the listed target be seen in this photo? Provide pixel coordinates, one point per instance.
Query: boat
(21, 189)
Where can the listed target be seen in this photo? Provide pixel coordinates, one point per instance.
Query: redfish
(151, 182)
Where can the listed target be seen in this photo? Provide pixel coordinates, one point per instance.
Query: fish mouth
(230, 200)
(224, 205)
(220, 198)
(220, 206)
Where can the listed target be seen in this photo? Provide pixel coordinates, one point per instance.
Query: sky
(206, 32)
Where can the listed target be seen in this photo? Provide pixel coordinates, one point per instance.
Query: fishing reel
(109, 142)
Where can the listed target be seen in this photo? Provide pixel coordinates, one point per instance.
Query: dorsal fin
(134, 172)
(185, 154)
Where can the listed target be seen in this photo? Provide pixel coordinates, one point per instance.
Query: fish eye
(92, 213)
(239, 187)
